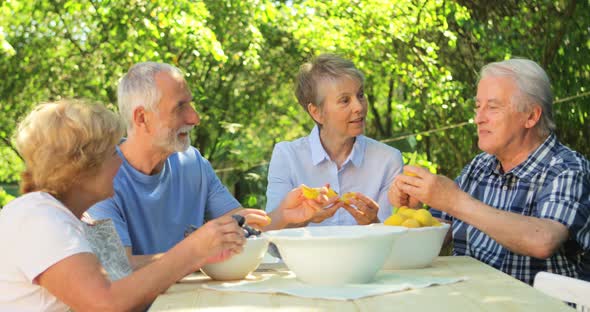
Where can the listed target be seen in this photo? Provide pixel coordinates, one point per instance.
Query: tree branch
(375, 113)
(388, 117)
(68, 35)
(553, 46)
(8, 144)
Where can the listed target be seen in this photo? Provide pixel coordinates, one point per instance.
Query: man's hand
(511, 230)
(436, 191)
(363, 209)
(255, 218)
(217, 240)
(398, 198)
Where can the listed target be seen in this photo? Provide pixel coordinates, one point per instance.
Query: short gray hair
(138, 88)
(534, 87)
(324, 66)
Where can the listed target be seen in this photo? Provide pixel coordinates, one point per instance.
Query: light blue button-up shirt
(369, 169)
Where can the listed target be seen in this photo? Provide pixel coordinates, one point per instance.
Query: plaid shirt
(552, 183)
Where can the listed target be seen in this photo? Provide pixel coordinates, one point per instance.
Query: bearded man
(164, 186)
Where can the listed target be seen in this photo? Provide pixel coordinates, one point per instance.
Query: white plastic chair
(564, 288)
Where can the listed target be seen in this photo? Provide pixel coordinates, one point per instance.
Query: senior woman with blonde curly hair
(48, 263)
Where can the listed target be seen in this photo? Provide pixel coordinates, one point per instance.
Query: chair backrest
(564, 288)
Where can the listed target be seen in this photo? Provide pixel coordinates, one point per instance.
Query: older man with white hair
(523, 205)
(164, 186)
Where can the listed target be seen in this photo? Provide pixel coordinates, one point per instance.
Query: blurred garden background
(420, 58)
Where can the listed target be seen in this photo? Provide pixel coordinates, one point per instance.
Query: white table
(486, 289)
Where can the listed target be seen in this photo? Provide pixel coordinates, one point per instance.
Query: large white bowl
(240, 265)
(417, 248)
(335, 255)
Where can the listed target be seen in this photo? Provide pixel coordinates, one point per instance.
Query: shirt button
(504, 187)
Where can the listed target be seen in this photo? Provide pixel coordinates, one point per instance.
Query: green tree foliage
(5, 198)
(420, 59)
(554, 33)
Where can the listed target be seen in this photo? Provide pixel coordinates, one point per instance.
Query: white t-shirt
(36, 231)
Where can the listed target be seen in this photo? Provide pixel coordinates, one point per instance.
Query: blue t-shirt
(152, 212)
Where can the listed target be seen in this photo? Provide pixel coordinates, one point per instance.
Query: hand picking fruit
(346, 197)
(248, 230)
(314, 192)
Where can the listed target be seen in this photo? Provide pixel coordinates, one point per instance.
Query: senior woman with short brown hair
(331, 90)
(48, 263)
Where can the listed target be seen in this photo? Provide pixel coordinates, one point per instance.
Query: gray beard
(173, 144)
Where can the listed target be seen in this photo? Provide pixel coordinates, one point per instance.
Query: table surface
(486, 289)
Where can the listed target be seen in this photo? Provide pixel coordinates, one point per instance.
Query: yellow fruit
(346, 197)
(407, 212)
(331, 193)
(435, 222)
(409, 174)
(411, 223)
(395, 219)
(309, 192)
(423, 216)
(314, 192)
(402, 208)
(269, 219)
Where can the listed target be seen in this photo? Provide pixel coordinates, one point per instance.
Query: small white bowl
(240, 265)
(335, 255)
(417, 248)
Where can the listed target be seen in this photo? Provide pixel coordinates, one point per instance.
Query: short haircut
(63, 141)
(138, 88)
(533, 85)
(324, 66)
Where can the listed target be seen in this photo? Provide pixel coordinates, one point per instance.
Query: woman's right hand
(296, 209)
(217, 240)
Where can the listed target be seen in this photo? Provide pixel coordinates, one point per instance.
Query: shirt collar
(536, 160)
(532, 165)
(319, 154)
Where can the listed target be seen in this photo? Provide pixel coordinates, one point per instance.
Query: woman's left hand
(363, 209)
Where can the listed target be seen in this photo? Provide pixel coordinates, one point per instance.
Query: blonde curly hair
(63, 141)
